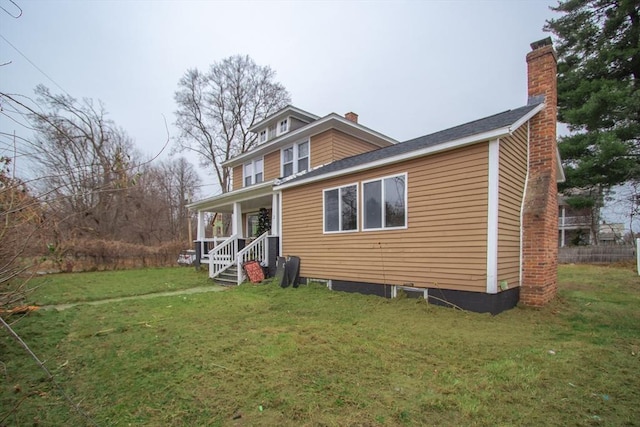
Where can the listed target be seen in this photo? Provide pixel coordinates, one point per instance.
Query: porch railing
(208, 244)
(257, 250)
(223, 256)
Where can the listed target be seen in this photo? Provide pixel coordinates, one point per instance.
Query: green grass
(92, 286)
(262, 355)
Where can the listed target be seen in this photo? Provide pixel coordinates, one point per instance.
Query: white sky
(408, 68)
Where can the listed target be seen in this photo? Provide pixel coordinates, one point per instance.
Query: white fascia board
(331, 121)
(240, 195)
(469, 140)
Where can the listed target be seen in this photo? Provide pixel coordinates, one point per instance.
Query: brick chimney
(540, 219)
(351, 116)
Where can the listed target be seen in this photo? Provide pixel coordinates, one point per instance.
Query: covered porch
(249, 231)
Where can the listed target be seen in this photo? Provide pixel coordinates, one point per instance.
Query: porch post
(200, 234)
(236, 221)
(275, 214)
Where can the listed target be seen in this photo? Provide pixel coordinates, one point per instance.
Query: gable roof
(491, 127)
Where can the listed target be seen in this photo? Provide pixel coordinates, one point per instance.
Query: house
(574, 224)
(467, 216)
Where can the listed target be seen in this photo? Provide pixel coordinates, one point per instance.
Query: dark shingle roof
(480, 126)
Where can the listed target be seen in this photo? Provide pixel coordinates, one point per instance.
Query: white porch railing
(208, 244)
(257, 250)
(223, 256)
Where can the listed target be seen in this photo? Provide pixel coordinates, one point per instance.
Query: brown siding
(444, 245)
(334, 145)
(272, 165)
(237, 177)
(513, 170)
(322, 148)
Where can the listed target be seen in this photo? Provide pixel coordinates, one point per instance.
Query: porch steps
(229, 277)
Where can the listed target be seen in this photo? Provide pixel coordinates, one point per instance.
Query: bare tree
(87, 160)
(217, 108)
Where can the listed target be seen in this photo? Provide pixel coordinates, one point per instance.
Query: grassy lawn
(78, 287)
(262, 355)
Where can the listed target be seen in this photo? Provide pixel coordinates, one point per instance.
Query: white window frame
(340, 230)
(296, 159)
(265, 133)
(254, 172)
(383, 213)
(283, 126)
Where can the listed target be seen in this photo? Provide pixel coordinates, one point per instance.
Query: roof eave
(472, 139)
(309, 130)
(240, 195)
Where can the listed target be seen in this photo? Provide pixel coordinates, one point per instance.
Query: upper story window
(341, 209)
(295, 158)
(385, 203)
(263, 136)
(283, 126)
(253, 172)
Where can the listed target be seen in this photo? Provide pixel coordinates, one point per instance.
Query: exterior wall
(540, 219)
(513, 172)
(295, 124)
(444, 245)
(334, 145)
(238, 180)
(272, 165)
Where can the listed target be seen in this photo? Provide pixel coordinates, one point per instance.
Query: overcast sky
(407, 68)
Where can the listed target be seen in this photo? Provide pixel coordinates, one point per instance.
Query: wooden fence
(596, 254)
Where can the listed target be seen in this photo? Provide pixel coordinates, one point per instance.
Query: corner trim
(492, 216)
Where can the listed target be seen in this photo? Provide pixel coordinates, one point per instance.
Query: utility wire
(35, 66)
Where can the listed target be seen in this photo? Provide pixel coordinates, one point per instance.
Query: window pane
(258, 178)
(394, 189)
(349, 207)
(287, 155)
(288, 169)
(258, 166)
(303, 149)
(373, 204)
(247, 181)
(331, 210)
(303, 164)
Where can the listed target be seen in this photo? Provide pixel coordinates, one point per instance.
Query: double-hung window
(253, 172)
(341, 209)
(295, 158)
(385, 203)
(283, 127)
(262, 136)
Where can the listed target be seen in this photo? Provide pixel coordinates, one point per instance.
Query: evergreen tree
(598, 45)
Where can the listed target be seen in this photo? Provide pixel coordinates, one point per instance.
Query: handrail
(257, 250)
(223, 256)
(205, 246)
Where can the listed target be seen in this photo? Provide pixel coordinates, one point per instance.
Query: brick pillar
(540, 219)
